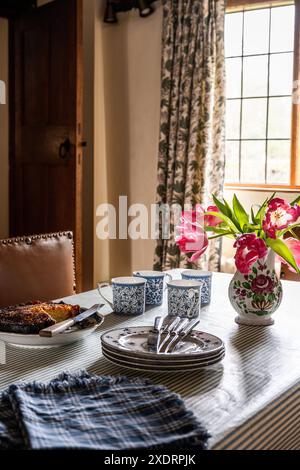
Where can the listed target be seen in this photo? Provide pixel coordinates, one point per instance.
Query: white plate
(166, 368)
(71, 335)
(158, 361)
(134, 341)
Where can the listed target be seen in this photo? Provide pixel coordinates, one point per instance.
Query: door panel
(45, 178)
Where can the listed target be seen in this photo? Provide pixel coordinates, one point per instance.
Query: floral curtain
(191, 147)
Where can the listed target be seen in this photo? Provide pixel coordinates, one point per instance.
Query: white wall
(4, 227)
(127, 100)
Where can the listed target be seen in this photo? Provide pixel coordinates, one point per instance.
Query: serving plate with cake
(24, 324)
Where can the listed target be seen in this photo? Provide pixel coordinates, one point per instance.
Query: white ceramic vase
(256, 296)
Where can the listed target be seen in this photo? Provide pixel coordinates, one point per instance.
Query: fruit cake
(33, 317)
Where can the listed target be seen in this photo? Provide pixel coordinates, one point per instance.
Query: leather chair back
(38, 267)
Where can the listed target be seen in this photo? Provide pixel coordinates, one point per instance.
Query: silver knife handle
(158, 323)
(181, 325)
(188, 328)
(173, 325)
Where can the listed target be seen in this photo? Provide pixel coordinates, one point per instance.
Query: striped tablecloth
(249, 401)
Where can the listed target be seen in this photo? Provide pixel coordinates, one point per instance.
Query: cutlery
(183, 333)
(167, 332)
(154, 334)
(62, 326)
(176, 331)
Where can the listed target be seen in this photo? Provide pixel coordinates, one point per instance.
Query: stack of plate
(128, 347)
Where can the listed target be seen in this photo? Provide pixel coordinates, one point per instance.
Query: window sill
(262, 187)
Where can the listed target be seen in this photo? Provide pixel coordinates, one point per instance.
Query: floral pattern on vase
(257, 295)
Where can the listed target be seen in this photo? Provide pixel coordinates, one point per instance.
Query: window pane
(233, 78)
(282, 29)
(232, 162)
(233, 34)
(253, 162)
(279, 158)
(233, 119)
(255, 78)
(280, 118)
(254, 118)
(256, 31)
(281, 74)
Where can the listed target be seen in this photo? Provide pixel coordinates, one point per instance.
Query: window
(260, 135)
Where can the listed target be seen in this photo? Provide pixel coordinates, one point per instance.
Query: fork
(185, 331)
(175, 332)
(167, 331)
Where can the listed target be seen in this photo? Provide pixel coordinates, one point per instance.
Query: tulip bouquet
(252, 233)
(259, 236)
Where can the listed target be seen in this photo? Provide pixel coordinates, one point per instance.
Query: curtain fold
(192, 121)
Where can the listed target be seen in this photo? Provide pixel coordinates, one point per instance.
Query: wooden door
(46, 122)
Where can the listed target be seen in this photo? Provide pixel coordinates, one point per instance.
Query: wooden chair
(37, 267)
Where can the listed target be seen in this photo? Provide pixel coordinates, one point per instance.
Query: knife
(167, 332)
(62, 326)
(183, 333)
(154, 334)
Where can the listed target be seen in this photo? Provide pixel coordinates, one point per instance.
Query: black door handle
(64, 148)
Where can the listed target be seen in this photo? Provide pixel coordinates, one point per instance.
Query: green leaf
(261, 211)
(282, 250)
(252, 215)
(240, 213)
(216, 229)
(246, 285)
(220, 235)
(225, 219)
(224, 208)
(296, 201)
(254, 270)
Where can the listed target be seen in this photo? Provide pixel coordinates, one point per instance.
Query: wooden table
(249, 401)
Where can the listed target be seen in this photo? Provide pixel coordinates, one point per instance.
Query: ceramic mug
(154, 286)
(202, 276)
(129, 295)
(184, 298)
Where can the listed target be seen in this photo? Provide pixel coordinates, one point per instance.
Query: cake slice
(31, 318)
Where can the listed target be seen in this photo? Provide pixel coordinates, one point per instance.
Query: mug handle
(194, 298)
(194, 301)
(170, 279)
(101, 286)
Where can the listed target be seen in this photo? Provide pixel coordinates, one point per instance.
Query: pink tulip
(193, 217)
(279, 215)
(211, 220)
(192, 237)
(294, 245)
(250, 248)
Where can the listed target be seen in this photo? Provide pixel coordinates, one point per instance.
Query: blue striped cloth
(86, 411)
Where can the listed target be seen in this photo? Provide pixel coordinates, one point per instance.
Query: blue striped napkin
(86, 411)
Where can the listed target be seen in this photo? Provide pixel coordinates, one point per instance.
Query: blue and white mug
(154, 286)
(184, 298)
(129, 295)
(202, 276)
